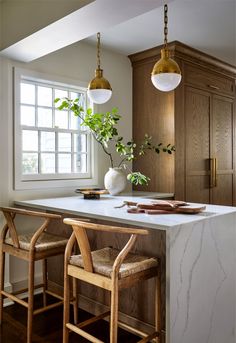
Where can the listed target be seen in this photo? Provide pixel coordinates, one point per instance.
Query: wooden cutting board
(189, 209)
(182, 209)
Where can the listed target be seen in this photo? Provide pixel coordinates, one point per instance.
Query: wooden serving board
(190, 209)
(91, 191)
(172, 203)
(183, 209)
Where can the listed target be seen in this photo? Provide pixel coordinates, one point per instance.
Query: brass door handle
(213, 175)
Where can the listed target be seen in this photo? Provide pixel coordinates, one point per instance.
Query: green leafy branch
(104, 130)
(128, 150)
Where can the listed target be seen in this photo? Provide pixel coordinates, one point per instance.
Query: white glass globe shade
(166, 82)
(99, 96)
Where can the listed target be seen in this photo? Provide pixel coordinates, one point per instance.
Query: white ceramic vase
(115, 180)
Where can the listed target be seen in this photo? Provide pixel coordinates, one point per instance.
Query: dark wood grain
(223, 149)
(208, 80)
(197, 123)
(198, 117)
(153, 114)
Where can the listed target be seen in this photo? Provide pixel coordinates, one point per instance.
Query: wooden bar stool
(30, 247)
(109, 269)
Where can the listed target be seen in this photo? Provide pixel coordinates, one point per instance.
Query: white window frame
(37, 181)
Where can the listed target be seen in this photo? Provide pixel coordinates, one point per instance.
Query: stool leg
(66, 312)
(158, 307)
(75, 300)
(45, 281)
(114, 313)
(2, 273)
(30, 300)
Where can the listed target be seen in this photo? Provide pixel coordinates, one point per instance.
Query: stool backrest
(79, 232)
(10, 214)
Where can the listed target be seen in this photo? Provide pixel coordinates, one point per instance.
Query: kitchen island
(198, 254)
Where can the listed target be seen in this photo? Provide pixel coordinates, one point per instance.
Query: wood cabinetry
(198, 117)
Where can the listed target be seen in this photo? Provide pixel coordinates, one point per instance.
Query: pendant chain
(165, 27)
(98, 50)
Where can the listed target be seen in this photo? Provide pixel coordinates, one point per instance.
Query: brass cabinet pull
(213, 174)
(213, 87)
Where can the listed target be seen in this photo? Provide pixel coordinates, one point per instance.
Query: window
(50, 144)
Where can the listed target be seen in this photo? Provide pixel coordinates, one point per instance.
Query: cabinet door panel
(197, 189)
(222, 149)
(197, 122)
(222, 146)
(197, 114)
(222, 194)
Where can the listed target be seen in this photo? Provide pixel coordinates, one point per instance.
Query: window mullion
(36, 106)
(39, 152)
(53, 108)
(73, 153)
(56, 152)
(45, 139)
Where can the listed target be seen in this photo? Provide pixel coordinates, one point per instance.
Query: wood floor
(47, 327)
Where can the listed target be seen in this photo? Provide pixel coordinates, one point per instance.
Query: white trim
(59, 180)
(8, 287)
(49, 78)
(21, 285)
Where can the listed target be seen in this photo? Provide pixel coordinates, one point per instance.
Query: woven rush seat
(112, 270)
(103, 260)
(39, 245)
(45, 241)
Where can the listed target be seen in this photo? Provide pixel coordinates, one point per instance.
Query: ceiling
(207, 25)
(129, 26)
(97, 15)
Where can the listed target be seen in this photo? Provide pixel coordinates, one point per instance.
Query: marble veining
(200, 263)
(220, 285)
(180, 275)
(201, 267)
(188, 297)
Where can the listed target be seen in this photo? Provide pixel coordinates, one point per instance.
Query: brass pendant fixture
(99, 89)
(166, 74)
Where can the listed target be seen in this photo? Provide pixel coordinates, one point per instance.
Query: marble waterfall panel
(201, 281)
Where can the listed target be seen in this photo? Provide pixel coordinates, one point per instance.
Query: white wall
(75, 62)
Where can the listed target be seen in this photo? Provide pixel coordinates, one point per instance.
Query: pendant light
(99, 89)
(166, 74)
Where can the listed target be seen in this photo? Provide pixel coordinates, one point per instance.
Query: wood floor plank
(47, 327)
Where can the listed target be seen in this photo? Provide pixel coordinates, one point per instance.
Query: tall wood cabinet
(198, 117)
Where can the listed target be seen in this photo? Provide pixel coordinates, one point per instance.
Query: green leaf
(103, 127)
(138, 178)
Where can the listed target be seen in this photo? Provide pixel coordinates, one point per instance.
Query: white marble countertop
(104, 208)
(200, 254)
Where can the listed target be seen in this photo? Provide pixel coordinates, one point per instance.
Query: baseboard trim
(8, 287)
(15, 286)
